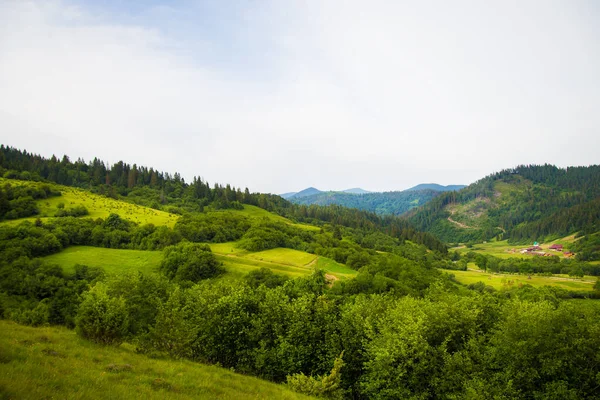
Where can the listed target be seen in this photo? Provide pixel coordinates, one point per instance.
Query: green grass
(54, 363)
(502, 249)
(289, 262)
(113, 261)
(285, 257)
(98, 206)
(256, 212)
(236, 261)
(506, 281)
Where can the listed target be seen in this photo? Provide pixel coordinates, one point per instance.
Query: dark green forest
(385, 203)
(549, 202)
(402, 328)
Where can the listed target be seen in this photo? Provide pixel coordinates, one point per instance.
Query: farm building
(558, 247)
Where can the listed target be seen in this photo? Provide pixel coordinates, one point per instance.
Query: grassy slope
(257, 212)
(506, 281)
(98, 206)
(502, 249)
(286, 261)
(49, 363)
(112, 260)
(238, 262)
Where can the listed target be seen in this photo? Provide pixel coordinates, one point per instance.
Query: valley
(165, 288)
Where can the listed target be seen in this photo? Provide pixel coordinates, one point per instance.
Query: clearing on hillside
(113, 261)
(54, 363)
(98, 206)
(502, 249)
(507, 281)
(286, 261)
(237, 262)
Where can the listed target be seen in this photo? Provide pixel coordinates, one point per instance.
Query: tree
(189, 262)
(102, 318)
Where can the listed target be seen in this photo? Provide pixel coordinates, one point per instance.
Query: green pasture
(98, 206)
(285, 257)
(502, 249)
(285, 261)
(257, 212)
(113, 261)
(507, 281)
(238, 262)
(54, 363)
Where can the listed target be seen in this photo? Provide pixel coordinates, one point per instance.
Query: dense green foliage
(588, 247)
(401, 328)
(189, 262)
(539, 201)
(385, 203)
(534, 265)
(102, 318)
(20, 201)
(146, 186)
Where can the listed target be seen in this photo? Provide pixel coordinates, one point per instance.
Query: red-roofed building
(558, 247)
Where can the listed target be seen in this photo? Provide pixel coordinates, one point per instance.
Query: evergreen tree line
(385, 203)
(548, 201)
(149, 187)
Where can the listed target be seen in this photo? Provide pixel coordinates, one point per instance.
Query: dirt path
(459, 223)
(331, 278)
(313, 262)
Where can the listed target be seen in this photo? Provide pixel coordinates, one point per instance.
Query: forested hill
(382, 203)
(169, 192)
(526, 203)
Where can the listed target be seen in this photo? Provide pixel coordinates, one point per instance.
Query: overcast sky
(280, 95)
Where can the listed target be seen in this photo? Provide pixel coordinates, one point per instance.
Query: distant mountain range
(396, 203)
(313, 191)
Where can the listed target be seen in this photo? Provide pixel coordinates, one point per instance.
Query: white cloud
(311, 93)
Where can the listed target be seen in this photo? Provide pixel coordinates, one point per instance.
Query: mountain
(382, 203)
(436, 187)
(288, 195)
(303, 193)
(526, 203)
(356, 191)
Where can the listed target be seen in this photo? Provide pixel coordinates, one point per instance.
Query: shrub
(327, 386)
(102, 318)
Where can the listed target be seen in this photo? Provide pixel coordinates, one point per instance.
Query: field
(98, 206)
(502, 249)
(506, 281)
(54, 363)
(238, 262)
(285, 261)
(111, 260)
(256, 212)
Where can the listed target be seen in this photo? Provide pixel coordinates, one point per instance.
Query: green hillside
(523, 204)
(334, 302)
(54, 362)
(96, 205)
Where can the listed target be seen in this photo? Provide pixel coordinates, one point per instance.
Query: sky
(279, 95)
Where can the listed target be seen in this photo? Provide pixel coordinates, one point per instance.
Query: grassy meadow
(257, 212)
(288, 262)
(113, 261)
(502, 249)
(506, 281)
(237, 262)
(98, 206)
(54, 363)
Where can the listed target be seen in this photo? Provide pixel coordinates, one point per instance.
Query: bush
(327, 386)
(102, 318)
(189, 262)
